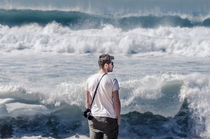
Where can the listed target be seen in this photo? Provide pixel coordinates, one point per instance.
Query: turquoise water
(79, 20)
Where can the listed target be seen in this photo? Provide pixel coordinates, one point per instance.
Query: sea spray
(164, 40)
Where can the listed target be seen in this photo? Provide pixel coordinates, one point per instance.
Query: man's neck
(102, 71)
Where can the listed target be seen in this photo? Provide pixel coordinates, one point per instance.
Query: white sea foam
(69, 93)
(196, 89)
(191, 42)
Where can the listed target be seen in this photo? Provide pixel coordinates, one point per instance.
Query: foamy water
(56, 38)
(53, 85)
(162, 60)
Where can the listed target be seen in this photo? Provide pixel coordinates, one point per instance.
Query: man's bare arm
(117, 105)
(88, 100)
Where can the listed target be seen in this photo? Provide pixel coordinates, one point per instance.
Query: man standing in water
(106, 105)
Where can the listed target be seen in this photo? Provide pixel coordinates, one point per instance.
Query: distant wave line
(79, 20)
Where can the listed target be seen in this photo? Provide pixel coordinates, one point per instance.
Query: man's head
(105, 62)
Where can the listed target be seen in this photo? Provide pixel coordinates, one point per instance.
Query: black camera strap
(96, 90)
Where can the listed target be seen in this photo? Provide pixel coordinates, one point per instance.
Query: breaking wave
(191, 42)
(176, 103)
(79, 20)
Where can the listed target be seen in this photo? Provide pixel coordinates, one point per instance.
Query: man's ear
(105, 65)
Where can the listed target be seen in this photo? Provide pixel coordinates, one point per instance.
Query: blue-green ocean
(162, 57)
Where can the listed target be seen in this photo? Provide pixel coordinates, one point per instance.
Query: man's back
(103, 103)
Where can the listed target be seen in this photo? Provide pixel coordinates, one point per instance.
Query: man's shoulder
(93, 76)
(111, 77)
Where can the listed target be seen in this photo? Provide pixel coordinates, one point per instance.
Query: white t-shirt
(103, 105)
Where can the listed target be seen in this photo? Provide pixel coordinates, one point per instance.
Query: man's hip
(103, 125)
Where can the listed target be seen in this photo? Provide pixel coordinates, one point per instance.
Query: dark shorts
(103, 128)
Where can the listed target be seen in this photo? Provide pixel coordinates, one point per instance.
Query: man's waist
(113, 116)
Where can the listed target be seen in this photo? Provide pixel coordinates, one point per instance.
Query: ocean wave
(157, 94)
(148, 125)
(79, 20)
(160, 94)
(113, 7)
(176, 103)
(138, 125)
(55, 38)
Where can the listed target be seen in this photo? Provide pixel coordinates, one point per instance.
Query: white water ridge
(190, 42)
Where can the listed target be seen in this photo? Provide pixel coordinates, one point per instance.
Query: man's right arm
(88, 99)
(117, 105)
